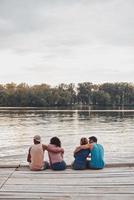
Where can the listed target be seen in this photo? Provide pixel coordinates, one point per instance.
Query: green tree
(85, 93)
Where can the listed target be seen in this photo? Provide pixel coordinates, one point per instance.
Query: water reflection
(113, 129)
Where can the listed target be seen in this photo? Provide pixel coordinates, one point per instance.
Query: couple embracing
(88, 155)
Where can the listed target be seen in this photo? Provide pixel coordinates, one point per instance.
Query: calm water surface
(114, 130)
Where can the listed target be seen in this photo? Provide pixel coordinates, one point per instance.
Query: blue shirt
(97, 157)
(80, 161)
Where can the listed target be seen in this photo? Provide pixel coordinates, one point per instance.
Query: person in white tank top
(36, 154)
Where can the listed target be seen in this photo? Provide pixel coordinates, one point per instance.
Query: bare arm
(87, 146)
(29, 155)
(55, 149)
(44, 146)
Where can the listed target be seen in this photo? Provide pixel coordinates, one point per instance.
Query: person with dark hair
(56, 141)
(56, 158)
(96, 153)
(80, 161)
(92, 139)
(35, 155)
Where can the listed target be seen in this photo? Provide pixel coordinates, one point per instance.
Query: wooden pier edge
(108, 165)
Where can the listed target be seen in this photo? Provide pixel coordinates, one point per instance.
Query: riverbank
(112, 183)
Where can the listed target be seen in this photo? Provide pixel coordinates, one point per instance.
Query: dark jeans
(59, 166)
(90, 166)
(79, 165)
(46, 165)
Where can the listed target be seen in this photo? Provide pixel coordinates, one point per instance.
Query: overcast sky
(55, 41)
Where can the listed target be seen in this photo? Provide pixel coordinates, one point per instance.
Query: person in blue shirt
(80, 161)
(96, 153)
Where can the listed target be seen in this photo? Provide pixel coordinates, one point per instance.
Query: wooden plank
(72, 176)
(4, 174)
(106, 184)
(7, 165)
(91, 173)
(26, 168)
(69, 189)
(113, 169)
(72, 182)
(108, 165)
(22, 197)
(66, 197)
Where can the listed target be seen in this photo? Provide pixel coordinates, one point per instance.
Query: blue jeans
(97, 166)
(79, 165)
(59, 166)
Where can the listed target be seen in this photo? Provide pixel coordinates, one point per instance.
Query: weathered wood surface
(111, 183)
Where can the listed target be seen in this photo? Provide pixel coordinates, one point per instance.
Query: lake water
(114, 130)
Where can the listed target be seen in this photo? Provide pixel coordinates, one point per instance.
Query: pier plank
(107, 184)
(4, 174)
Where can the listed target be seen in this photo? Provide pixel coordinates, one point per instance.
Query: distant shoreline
(84, 95)
(49, 109)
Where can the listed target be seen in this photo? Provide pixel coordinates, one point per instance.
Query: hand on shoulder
(85, 146)
(44, 146)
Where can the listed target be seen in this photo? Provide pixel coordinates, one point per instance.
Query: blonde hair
(83, 141)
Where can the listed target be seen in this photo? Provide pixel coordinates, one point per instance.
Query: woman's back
(80, 161)
(54, 157)
(82, 155)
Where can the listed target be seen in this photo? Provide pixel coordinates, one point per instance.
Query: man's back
(37, 157)
(97, 156)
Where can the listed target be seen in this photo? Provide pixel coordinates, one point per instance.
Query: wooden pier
(114, 182)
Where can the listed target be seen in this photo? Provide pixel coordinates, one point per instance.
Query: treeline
(86, 93)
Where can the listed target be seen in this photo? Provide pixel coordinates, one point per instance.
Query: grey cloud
(105, 21)
(56, 28)
(69, 36)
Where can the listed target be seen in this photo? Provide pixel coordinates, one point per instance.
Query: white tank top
(37, 157)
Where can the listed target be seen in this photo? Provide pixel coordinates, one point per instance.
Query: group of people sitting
(89, 154)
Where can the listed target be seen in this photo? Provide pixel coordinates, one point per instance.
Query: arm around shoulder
(86, 146)
(77, 149)
(55, 149)
(44, 146)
